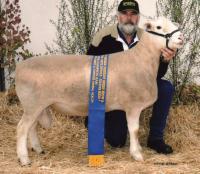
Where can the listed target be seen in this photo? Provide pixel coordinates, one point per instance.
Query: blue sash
(97, 102)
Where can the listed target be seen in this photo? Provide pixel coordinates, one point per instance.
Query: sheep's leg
(34, 140)
(133, 126)
(23, 128)
(45, 119)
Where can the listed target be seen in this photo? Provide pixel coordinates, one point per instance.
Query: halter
(167, 36)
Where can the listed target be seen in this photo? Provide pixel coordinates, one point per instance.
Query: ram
(62, 82)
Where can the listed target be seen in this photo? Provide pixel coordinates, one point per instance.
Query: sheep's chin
(176, 45)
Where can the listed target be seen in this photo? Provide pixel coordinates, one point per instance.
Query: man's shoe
(159, 146)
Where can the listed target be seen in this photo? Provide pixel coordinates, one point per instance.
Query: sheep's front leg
(133, 126)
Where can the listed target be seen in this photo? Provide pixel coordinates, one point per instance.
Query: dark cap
(128, 5)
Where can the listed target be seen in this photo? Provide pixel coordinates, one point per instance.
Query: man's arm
(92, 50)
(163, 66)
(97, 46)
(166, 56)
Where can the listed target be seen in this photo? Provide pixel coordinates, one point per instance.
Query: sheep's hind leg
(45, 119)
(34, 140)
(23, 129)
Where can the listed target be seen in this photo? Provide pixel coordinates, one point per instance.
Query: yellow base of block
(96, 160)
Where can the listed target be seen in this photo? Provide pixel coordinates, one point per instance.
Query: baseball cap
(128, 5)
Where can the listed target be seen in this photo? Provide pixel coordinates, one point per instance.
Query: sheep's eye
(159, 27)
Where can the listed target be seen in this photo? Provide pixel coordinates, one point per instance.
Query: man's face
(128, 21)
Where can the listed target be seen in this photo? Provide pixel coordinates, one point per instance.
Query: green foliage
(77, 23)
(184, 68)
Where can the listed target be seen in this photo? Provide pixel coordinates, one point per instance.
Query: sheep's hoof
(43, 152)
(38, 151)
(137, 156)
(24, 162)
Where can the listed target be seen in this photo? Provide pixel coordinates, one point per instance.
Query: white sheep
(63, 82)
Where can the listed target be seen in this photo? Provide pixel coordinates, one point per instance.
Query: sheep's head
(165, 27)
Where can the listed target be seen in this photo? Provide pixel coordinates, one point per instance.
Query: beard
(127, 28)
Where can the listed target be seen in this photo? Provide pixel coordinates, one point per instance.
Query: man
(121, 37)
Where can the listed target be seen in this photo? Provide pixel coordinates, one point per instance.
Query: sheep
(62, 82)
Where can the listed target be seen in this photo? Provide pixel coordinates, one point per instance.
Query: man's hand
(168, 54)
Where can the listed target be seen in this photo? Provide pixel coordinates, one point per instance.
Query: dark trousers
(116, 124)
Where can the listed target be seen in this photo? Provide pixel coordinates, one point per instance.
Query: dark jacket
(106, 42)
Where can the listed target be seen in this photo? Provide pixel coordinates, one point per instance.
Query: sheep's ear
(147, 26)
